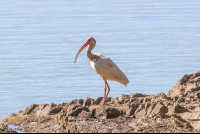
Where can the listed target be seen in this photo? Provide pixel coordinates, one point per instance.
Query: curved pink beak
(87, 43)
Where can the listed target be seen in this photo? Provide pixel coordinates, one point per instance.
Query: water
(15, 128)
(153, 42)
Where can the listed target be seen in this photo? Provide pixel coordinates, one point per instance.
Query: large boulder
(188, 83)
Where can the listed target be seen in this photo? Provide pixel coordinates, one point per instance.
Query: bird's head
(91, 42)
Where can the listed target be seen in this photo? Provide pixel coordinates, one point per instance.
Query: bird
(103, 66)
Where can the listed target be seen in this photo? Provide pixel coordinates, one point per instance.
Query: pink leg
(105, 95)
(108, 89)
(105, 91)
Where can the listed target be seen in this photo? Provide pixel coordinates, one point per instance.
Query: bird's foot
(102, 104)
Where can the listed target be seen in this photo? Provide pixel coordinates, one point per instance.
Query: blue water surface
(153, 42)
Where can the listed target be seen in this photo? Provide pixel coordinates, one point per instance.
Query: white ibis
(104, 66)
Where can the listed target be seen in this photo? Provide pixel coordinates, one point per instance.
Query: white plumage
(104, 66)
(108, 70)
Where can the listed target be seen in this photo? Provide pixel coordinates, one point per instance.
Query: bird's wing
(108, 70)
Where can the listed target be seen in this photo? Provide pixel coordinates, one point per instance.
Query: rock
(123, 98)
(148, 104)
(188, 83)
(74, 110)
(140, 100)
(179, 109)
(107, 112)
(159, 108)
(87, 102)
(176, 122)
(130, 109)
(40, 109)
(92, 110)
(191, 86)
(85, 114)
(190, 116)
(150, 107)
(140, 113)
(62, 122)
(30, 109)
(45, 109)
(55, 110)
(187, 125)
(116, 100)
(181, 100)
(112, 113)
(5, 129)
(157, 97)
(196, 125)
(146, 99)
(80, 102)
(136, 95)
(98, 100)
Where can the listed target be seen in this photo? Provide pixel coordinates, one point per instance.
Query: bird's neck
(89, 53)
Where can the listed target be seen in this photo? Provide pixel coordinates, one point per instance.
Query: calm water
(153, 42)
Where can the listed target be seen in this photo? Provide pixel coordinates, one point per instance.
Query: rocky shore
(176, 111)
